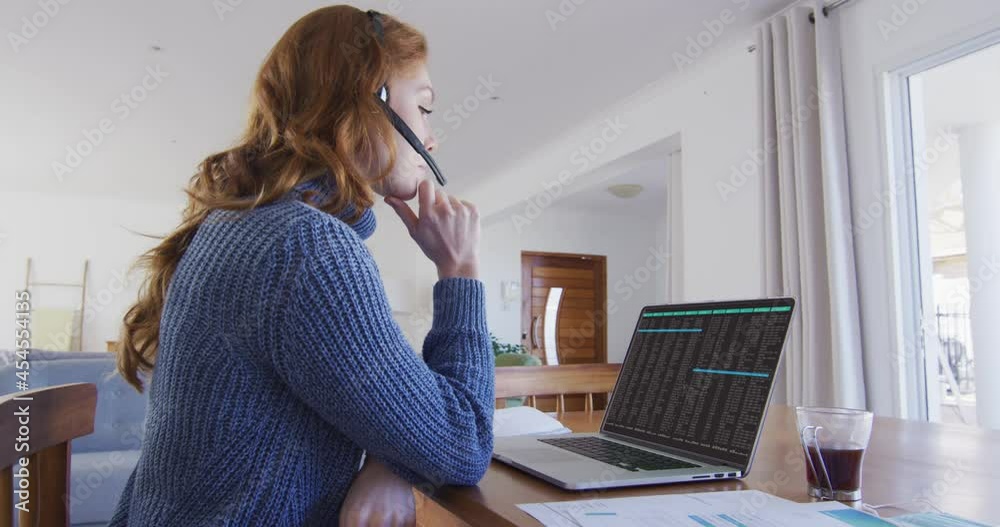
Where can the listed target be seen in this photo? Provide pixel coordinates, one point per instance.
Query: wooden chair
(56, 416)
(572, 379)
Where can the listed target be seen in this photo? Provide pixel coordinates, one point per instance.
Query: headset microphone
(382, 96)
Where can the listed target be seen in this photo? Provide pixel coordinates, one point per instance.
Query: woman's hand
(378, 498)
(447, 230)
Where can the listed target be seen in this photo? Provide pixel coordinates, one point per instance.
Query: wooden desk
(955, 467)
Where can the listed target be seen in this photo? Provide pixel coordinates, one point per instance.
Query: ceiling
(648, 167)
(69, 77)
(596, 199)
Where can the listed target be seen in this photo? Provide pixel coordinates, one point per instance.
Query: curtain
(808, 242)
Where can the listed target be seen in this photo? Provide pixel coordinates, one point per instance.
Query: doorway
(949, 137)
(563, 315)
(576, 324)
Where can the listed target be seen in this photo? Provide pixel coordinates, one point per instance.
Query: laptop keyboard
(617, 454)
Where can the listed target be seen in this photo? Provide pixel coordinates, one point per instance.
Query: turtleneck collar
(320, 188)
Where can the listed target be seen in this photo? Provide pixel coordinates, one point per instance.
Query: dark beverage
(843, 464)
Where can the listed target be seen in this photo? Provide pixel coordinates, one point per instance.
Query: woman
(277, 361)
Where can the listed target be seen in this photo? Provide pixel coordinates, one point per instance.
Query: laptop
(688, 405)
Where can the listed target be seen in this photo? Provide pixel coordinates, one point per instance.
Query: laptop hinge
(708, 460)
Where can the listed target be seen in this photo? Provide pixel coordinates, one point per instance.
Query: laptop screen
(697, 377)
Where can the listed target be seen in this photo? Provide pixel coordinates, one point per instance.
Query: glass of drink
(834, 442)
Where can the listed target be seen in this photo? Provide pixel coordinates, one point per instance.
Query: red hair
(313, 115)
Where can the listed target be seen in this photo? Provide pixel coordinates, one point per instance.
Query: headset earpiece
(382, 96)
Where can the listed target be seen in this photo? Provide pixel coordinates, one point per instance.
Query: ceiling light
(625, 191)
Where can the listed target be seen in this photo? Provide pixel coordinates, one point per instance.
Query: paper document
(745, 508)
(852, 517)
(525, 420)
(934, 519)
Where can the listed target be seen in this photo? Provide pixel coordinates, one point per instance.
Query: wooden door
(580, 324)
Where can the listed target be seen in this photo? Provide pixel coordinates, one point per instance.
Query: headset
(382, 96)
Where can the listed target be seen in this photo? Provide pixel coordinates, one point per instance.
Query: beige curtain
(809, 250)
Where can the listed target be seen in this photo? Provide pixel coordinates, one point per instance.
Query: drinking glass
(834, 441)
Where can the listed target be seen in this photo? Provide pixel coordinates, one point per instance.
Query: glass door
(953, 222)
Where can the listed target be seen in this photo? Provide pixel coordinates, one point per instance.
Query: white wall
(59, 232)
(626, 240)
(712, 106)
(407, 274)
(879, 36)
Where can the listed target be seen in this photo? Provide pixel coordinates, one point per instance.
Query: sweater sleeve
(346, 358)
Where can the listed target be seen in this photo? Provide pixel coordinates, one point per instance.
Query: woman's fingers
(426, 196)
(444, 201)
(457, 205)
(445, 228)
(473, 211)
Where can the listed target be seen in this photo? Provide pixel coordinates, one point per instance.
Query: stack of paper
(707, 509)
(745, 508)
(525, 420)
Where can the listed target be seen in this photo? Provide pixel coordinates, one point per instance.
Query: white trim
(921, 267)
(897, 377)
(904, 232)
(675, 227)
(946, 49)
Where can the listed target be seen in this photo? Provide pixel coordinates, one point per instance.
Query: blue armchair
(101, 462)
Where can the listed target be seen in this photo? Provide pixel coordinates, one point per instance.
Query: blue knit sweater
(279, 363)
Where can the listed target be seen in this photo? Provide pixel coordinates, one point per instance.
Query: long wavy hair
(313, 115)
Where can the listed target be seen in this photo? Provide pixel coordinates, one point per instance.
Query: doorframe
(675, 227)
(915, 346)
(600, 330)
